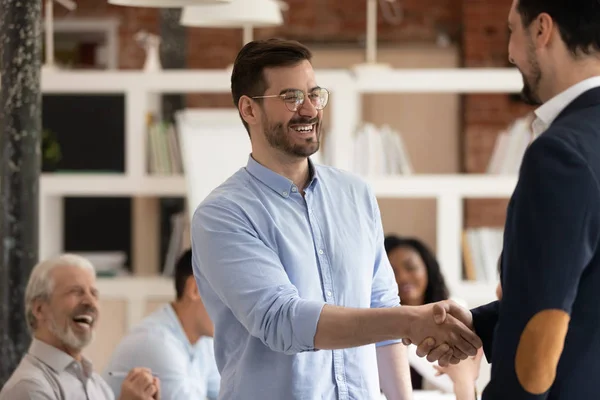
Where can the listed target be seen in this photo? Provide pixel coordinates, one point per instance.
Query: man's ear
(248, 110)
(542, 28)
(191, 288)
(38, 309)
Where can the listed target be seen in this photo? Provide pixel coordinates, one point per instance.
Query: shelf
(411, 186)
(167, 81)
(457, 80)
(347, 87)
(130, 287)
(105, 185)
(159, 287)
(434, 80)
(461, 185)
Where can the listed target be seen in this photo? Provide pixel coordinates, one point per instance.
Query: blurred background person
(175, 342)
(420, 281)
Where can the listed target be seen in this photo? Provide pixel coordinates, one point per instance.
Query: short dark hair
(247, 77)
(436, 289)
(183, 270)
(578, 21)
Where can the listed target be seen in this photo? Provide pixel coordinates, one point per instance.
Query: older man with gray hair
(61, 305)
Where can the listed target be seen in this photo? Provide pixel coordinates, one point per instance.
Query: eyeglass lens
(318, 97)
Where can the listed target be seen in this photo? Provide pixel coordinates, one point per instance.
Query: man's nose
(90, 300)
(308, 109)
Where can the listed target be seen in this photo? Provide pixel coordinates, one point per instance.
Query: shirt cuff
(388, 342)
(308, 313)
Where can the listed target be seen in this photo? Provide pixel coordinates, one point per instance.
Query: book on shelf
(179, 242)
(106, 263)
(380, 151)
(481, 248)
(164, 152)
(510, 147)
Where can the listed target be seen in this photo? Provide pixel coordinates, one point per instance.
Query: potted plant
(51, 153)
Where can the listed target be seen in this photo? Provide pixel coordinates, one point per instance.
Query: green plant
(51, 152)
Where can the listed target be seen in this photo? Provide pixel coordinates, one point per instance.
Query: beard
(531, 83)
(68, 336)
(278, 137)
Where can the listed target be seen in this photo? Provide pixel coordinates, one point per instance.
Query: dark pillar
(20, 123)
(172, 56)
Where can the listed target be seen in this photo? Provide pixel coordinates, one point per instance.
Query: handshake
(443, 332)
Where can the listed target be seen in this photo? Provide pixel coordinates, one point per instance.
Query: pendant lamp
(164, 3)
(246, 14)
(70, 5)
(371, 66)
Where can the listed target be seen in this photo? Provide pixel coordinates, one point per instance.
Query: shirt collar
(175, 323)
(279, 183)
(56, 359)
(547, 113)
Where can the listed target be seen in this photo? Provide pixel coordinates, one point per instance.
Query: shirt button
(328, 293)
(294, 189)
(339, 377)
(320, 251)
(285, 193)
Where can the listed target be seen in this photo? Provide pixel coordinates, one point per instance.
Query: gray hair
(41, 284)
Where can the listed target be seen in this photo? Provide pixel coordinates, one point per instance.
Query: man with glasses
(290, 260)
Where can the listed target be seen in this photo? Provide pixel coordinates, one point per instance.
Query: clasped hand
(444, 333)
(140, 384)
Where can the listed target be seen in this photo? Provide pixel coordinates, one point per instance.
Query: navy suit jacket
(543, 337)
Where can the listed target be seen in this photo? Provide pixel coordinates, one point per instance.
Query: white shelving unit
(136, 292)
(141, 91)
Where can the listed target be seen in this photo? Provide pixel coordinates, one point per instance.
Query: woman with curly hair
(420, 281)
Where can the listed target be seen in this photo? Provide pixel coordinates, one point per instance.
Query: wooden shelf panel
(364, 80)
(102, 185)
(413, 186)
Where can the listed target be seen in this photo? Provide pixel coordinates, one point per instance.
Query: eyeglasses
(294, 99)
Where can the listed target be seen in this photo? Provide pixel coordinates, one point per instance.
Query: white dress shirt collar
(547, 113)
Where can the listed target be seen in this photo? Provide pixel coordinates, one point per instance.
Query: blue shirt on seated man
(175, 342)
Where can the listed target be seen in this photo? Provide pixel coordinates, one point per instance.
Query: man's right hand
(450, 327)
(139, 385)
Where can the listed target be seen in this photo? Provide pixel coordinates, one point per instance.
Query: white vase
(152, 63)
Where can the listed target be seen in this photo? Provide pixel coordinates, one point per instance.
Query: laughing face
(71, 314)
(294, 133)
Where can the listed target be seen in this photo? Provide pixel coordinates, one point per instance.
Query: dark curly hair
(436, 286)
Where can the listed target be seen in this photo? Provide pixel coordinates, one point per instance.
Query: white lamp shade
(164, 3)
(235, 14)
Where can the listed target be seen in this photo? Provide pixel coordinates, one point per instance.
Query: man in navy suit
(543, 337)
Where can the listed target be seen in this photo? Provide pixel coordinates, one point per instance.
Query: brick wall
(485, 44)
(323, 21)
(480, 25)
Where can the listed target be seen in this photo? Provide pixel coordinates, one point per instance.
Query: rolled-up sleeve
(250, 280)
(384, 291)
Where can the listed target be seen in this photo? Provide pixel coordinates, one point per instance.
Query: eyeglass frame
(284, 92)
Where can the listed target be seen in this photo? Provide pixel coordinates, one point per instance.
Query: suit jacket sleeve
(551, 234)
(484, 322)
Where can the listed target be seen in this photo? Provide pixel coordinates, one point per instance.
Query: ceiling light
(235, 14)
(164, 3)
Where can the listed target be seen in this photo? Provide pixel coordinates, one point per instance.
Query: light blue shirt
(185, 371)
(267, 260)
